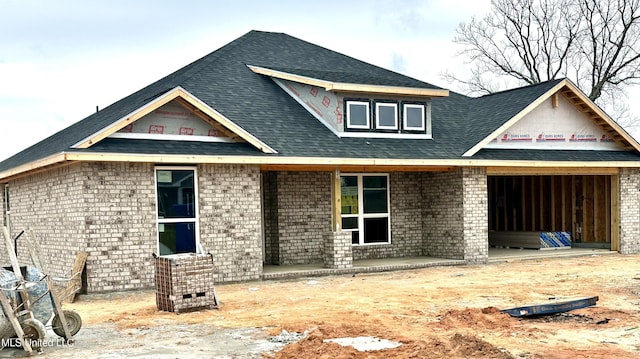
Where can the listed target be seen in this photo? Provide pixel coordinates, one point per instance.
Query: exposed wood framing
(336, 201)
(329, 163)
(35, 166)
(599, 118)
(350, 87)
(583, 204)
(555, 100)
(196, 111)
(357, 169)
(535, 171)
(615, 213)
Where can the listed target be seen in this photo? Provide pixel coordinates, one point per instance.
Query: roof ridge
(522, 87)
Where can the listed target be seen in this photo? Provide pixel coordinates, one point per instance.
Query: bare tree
(595, 43)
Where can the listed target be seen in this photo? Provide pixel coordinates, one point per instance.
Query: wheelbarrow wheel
(34, 331)
(74, 323)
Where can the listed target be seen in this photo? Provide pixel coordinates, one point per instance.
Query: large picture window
(177, 212)
(365, 208)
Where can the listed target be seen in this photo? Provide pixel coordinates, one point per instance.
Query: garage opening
(524, 208)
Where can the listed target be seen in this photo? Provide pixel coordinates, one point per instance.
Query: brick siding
(304, 215)
(475, 216)
(49, 203)
(230, 220)
(629, 210)
(455, 215)
(119, 210)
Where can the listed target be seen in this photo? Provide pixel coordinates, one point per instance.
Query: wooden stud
(10, 314)
(336, 202)
(555, 100)
(588, 210)
(608, 209)
(13, 259)
(615, 213)
(542, 171)
(356, 169)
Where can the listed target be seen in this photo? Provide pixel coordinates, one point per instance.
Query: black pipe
(15, 243)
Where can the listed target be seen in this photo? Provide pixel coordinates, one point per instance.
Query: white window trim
(389, 104)
(404, 117)
(358, 127)
(361, 215)
(195, 220)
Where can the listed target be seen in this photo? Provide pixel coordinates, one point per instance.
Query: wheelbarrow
(28, 301)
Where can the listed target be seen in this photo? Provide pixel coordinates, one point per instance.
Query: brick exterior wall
(119, 210)
(108, 210)
(629, 210)
(49, 203)
(337, 250)
(230, 220)
(442, 215)
(304, 214)
(475, 216)
(454, 216)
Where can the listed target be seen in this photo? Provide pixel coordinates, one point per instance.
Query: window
(413, 119)
(358, 115)
(177, 215)
(6, 208)
(386, 116)
(365, 208)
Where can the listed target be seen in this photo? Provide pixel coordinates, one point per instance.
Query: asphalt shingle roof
(254, 102)
(359, 77)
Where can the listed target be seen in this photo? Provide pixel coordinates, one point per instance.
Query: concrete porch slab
(394, 264)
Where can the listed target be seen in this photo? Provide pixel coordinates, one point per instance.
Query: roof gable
(222, 126)
(560, 118)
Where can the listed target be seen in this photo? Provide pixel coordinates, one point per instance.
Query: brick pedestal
(184, 282)
(337, 250)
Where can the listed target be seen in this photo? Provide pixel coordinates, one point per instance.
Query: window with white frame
(413, 117)
(365, 208)
(358, 115)
(177, 210)
(386, 116)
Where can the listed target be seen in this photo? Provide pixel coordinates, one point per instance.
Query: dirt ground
(445, 312)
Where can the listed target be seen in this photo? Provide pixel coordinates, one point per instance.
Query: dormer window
(386, 116)
(358, 115)
(413, 119)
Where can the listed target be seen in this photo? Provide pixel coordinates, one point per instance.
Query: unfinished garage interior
(582, 206)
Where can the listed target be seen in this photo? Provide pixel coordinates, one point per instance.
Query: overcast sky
(60, 59)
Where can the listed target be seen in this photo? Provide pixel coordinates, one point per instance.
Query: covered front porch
(394, 264)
